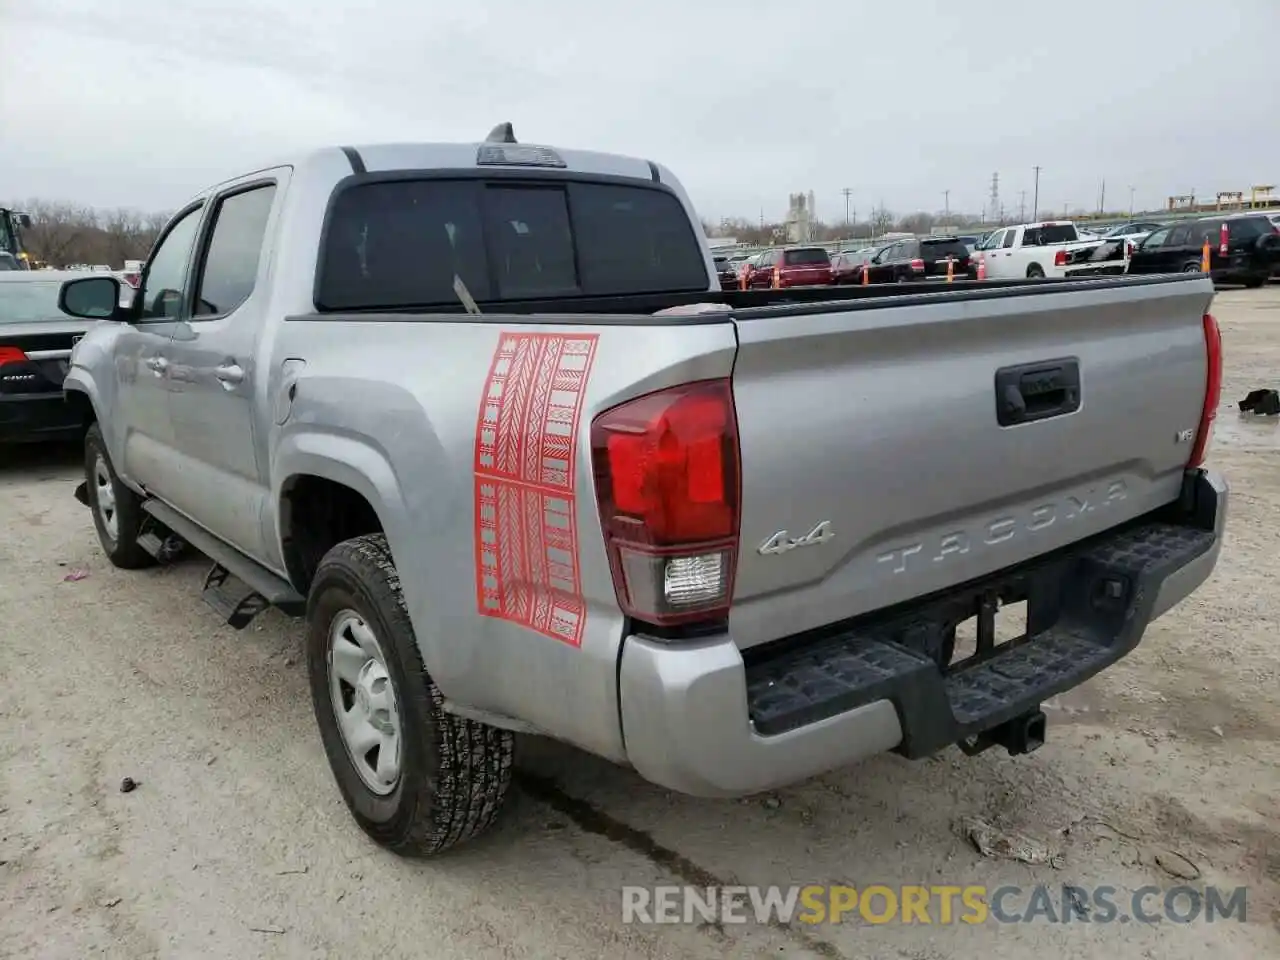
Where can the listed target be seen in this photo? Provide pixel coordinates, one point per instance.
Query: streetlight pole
(847, 193)
(1131, 201)
(1035, 199)
(946, 207)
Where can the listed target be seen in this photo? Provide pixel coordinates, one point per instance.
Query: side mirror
(24, 221)
(90, 298)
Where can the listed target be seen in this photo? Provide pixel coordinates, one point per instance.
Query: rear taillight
(11, 355)
(1212, 390)
(666, 469)
(917, 265)
(1060, 258)
(1224, 235)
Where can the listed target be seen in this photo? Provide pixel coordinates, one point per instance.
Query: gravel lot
(236, 844)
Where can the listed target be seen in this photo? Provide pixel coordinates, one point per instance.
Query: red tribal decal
(526, 537)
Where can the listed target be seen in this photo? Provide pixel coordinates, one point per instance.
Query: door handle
(230, 374)
(157, 365)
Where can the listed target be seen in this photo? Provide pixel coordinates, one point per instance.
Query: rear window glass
(1052, 233)
(799, 258)
(402, 243)
(941, 249)
(1248, 228)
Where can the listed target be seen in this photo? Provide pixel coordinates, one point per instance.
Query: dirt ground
(236, 844)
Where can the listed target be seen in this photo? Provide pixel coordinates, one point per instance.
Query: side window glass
(230, 266)
(1155, 240)
(164, 288)
(1009, 236)
(1181, 236)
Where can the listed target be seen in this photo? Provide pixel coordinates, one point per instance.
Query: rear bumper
(30, 417)
(699, 719)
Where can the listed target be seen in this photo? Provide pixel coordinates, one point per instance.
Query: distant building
(801, 216)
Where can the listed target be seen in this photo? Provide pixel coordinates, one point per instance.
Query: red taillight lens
(917, 265)
(666, 470)
(1060, 258)
(1224, 235)
(1212, 390)
(11, 355)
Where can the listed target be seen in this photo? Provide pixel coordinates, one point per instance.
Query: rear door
(880, 431)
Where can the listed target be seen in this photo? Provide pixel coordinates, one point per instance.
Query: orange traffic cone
(950, 270)
(777, 278)
(743, 275)
(1204, 258)
(866, 274)
(982, 267)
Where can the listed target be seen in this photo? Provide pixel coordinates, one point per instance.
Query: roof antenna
(502, 133)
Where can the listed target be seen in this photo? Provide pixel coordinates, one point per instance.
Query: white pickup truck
(1030, 250)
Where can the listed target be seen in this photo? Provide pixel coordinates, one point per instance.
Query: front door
(214, 371)
(140, 437)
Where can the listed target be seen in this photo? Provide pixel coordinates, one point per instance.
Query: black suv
(726, 273)
(1253, 249)
(923, 259)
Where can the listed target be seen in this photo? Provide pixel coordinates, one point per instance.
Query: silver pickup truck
(482, 415)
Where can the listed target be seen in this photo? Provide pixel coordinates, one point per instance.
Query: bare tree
(881, 221)
(62, 234)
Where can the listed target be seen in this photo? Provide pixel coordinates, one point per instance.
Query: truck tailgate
(875, 468)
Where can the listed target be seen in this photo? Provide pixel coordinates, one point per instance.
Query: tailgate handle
(1037, 391)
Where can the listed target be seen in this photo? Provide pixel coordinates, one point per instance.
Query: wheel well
(317, 514)
(1034, 266)
(80, 402)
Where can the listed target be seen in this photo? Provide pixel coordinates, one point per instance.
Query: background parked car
(926, 259)
(1252, 255)
(726, 272)
(36, 338)
(796, 267)
(847, 267)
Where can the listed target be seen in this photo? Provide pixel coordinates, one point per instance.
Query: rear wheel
(418, 780)
(1035, 272)
(117, 510)
(1191, 266)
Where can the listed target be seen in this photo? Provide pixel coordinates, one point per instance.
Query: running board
(237, 588)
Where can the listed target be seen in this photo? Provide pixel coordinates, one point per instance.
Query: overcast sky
(145, 102)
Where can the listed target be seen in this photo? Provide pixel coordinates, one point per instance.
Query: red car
(793, 267)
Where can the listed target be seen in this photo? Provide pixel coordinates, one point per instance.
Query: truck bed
(640, 308)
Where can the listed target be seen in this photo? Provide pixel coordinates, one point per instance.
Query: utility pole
(1022, 206)
(1102, 197)
(1035, 201)
(847, 193)
(1131, 200)
(946, 206)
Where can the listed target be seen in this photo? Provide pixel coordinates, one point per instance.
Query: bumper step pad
(1087, 608)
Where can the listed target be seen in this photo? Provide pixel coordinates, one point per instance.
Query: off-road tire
(122, 550)
(454, 772)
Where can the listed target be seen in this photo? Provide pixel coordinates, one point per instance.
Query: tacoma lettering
(1002, 529)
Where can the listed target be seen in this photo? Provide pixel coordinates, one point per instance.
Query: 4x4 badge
(781, 543)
